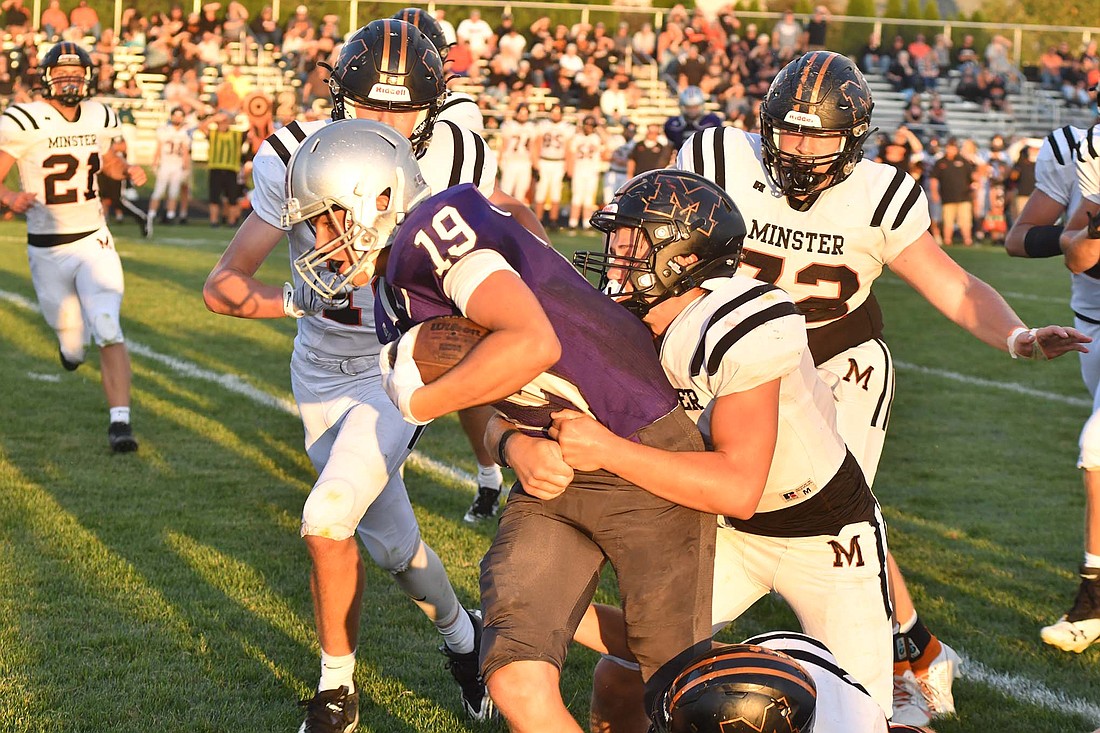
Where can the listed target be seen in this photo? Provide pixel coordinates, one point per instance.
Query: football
(443, 342)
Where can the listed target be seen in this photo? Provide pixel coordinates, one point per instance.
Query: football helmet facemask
(739, 688)
(390, 65)
(346, 166)
(427, 25)
(822, 95)
(69, 90)
(673, 214)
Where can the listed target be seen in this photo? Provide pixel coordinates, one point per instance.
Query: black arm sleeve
(1043, 242)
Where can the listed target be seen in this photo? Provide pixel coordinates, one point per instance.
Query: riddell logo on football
(388, 92)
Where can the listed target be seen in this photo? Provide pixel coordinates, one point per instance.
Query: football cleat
(910, 706)
(121, 437)
(936, 682)
(331, 711)
(466, 669)
(70, 366)
(1080, 627)
(485, 505)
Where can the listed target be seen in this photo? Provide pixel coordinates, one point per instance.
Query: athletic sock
(458, 632)
(120, 414)
(489, 476)
(337, 671)
(924, 647)
(1092, 561)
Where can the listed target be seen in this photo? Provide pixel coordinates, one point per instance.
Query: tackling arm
(232, 289)
(727, 480)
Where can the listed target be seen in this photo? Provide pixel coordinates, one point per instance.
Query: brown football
(443, 342)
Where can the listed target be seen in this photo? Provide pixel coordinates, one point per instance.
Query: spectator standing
(951, 179)
(816, 30)
(1022, 178)
(54, 21)
(17, 19)
(85, 19)
(510, 48)
(650, 153)
(787, 35)
(478, 33)
(445, 26)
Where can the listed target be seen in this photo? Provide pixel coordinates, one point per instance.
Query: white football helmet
(345, 166)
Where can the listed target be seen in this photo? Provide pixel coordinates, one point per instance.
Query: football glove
(401, 375)
(302, 301)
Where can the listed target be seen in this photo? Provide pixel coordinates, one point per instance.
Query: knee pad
(1090, 444)
(330, 511)
(106, 329)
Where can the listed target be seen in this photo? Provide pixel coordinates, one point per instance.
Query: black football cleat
(331, 711)
(121, 437)
(485, 506)
(466, 670)
(70, 366)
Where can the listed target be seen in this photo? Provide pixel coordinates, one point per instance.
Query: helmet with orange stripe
(67, 74)
(822, 104)
(389, 65)
(738, 688)
(427, 25)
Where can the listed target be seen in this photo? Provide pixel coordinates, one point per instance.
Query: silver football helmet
(344, 168)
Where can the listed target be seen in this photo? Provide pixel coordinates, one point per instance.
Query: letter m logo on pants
(853, 556)
(854, 374)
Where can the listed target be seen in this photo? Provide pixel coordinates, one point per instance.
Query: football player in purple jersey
(555, 342)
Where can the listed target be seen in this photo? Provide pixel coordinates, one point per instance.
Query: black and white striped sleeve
(756, 336)
(17, 127)
(457, 155)
(1053, 165)
(1088, 165)
(709, 153)
(901, 211)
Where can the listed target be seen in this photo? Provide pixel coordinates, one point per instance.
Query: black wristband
(501, 444)
(1043, 242)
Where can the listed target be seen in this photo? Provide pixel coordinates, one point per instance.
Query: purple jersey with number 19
(608, 366)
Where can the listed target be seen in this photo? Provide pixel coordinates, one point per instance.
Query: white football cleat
(936, 682)
(1080, 627)
(910, 706)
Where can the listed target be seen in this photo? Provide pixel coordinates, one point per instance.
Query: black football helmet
(427, 25)
(389, 65)
(68, 90)
(739, 688)
(673, 214)
(820, 94)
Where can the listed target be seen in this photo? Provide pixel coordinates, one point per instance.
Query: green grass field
(167, 590)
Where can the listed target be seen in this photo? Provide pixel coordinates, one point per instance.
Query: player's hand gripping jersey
(58, 162)
(447, 247)
(828, 256)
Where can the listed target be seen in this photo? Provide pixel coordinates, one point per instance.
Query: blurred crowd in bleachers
(213, 61)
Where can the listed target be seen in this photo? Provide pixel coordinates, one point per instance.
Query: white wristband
(1036, 352)
(291, 310)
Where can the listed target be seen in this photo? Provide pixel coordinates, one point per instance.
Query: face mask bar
(69, 90)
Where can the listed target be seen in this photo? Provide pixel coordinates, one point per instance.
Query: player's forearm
(231, 292)
(708, 481)
(502, 364)
(984, 313)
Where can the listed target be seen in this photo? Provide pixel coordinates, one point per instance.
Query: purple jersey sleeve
(608, 365)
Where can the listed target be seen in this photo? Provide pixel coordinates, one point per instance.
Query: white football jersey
(843, 705)
(175, 145)
(1057, 168)
(741, 334)
(454, 156)
(462, 109)
(826, 257)
(555, 138)
(587, 149)
(58, 161)
(1088, 164)
(515, 141)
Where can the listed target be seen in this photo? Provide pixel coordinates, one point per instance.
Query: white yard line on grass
(980, 382)
(1018, 688)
